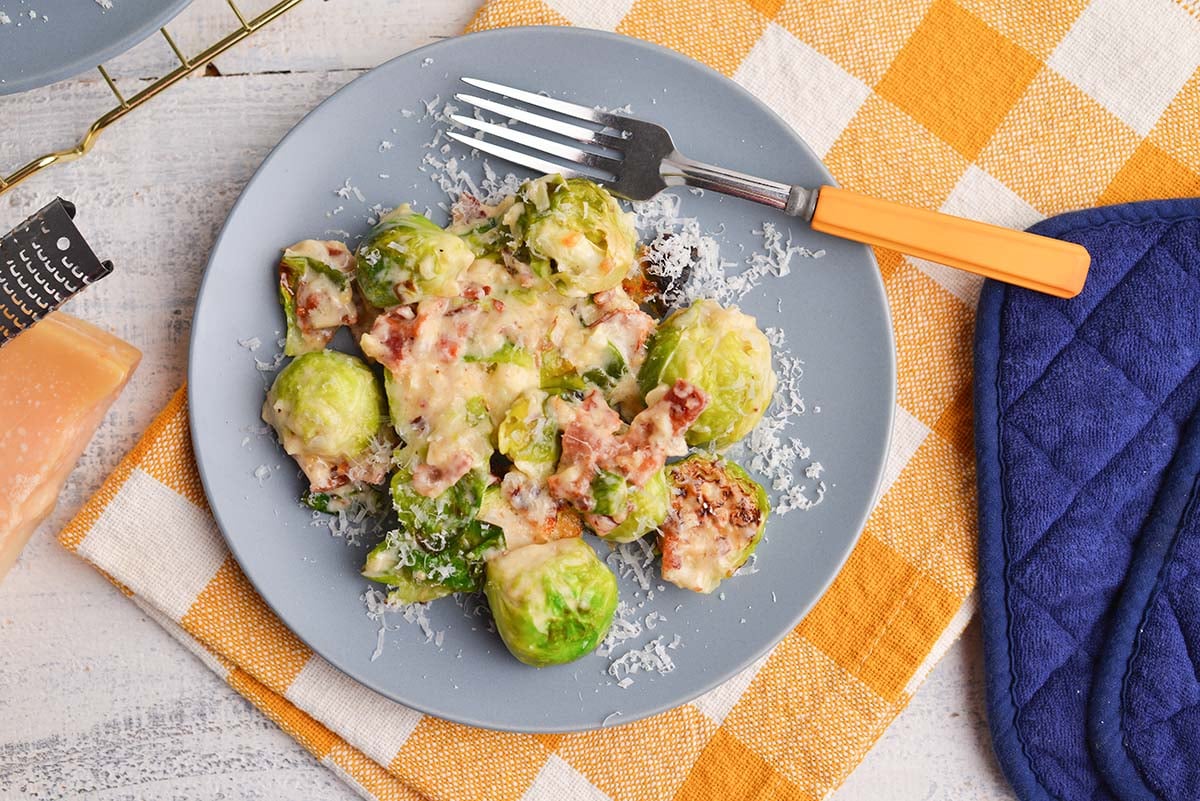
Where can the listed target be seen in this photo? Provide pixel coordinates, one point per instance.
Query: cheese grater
(43, 262)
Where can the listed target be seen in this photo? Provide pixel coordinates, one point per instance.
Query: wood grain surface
(98, 703)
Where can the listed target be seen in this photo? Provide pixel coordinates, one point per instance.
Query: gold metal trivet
(124, 106)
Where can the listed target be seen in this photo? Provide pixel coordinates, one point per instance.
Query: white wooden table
(98, 703)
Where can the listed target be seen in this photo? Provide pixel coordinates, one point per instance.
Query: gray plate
(73, 37)
(833, 311)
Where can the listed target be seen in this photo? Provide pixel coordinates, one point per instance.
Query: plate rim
(711, 681)
(88, 59)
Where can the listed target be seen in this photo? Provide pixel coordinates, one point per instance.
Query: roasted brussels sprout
(552, 602)
(407, 257)
(721, 351)
(528, 435)
(643, 511)
(440, 546)
(576, 235)
(432, 520)
(328, 411)
(718, 514)
(417, 573)
(316, 293)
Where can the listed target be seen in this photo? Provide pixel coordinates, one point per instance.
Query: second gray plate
(369, 141)
(64, 39)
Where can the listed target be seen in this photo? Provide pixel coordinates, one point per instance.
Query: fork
(638, 159)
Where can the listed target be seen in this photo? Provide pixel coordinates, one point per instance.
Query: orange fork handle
(1034, 262)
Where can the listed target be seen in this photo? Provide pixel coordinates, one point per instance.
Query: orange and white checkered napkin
(1002, 110)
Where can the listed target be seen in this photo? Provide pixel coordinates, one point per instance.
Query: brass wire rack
(187, 65)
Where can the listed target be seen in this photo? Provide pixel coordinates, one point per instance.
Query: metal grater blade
(43, 262)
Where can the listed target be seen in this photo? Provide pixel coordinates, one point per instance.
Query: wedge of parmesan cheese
(56, 382)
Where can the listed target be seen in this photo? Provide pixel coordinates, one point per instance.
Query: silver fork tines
(639, 161)
(569, 152)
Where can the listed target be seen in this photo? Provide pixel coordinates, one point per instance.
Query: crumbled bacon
(591, 441)
(431, 481)
(466, 210)
(391, 336)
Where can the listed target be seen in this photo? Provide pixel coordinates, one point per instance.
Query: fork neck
(798, 201)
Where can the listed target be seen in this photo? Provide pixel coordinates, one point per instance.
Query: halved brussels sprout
(721, 351)
(406, 257)
(645, 510)
(418, 573)
(433, 520)
(553, 602)
(576, 234)
(528, 435)
(328, 411)
(718, 515)
(316, 293)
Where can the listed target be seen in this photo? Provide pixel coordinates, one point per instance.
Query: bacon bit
(498, 305)
(635, 321)
(467, 209)
(431, 481)
(657, 432)
(588, 438)
(391, 336)
(590, 441)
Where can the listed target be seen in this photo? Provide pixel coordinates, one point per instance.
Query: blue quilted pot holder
(1080, 408)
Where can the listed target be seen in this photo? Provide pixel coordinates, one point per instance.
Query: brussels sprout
(559, 376)
(718, 514)
(433, 520)
(722, 352)
(328, 411)
(345, 498)
(441, 437)
(417, 573)
(646, 509)
(610, 492)
(528, 435)
(508, 353)
(316, 294)
(552, 602)
(407, 257)
(576, 235)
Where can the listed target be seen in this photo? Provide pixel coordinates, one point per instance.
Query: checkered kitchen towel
(1003, 110)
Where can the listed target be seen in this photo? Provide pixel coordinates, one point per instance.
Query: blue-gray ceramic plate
(369, 139)
(65, 39)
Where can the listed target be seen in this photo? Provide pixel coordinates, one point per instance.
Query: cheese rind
(57, 380)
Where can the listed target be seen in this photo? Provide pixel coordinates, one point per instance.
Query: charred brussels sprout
(407, 257)
(718, 514)
(552, 602)
(328, 411)
(721, 351)
(576, 235)
(645, 510)
(316, 293)
(528, 435)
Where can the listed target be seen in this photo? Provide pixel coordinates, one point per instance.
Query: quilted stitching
(1093, 393)
(1160, 702)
